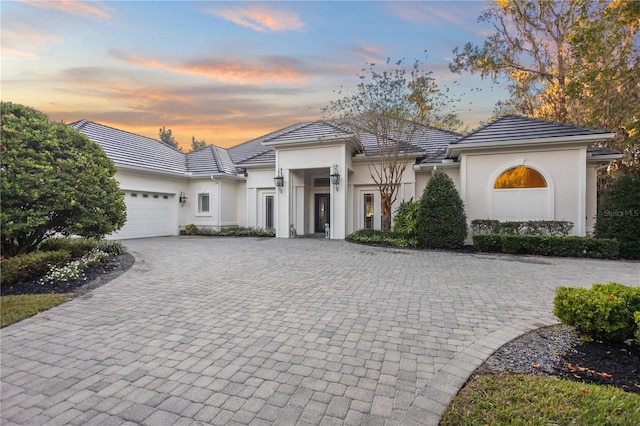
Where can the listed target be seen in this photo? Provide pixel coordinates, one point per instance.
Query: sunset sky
(225, 72)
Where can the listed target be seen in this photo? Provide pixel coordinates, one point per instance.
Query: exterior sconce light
(335, 177)
(279, 180)
(182, 199)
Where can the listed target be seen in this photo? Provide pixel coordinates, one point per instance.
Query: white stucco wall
(190, 213)
(564, 168)
(259, 182)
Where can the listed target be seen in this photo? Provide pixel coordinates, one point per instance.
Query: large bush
(605, 311)
(442, 222)
(78, 247)
(18, 269)
(54, 180)
(619, 215)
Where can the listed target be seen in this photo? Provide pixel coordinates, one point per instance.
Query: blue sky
(225, 72)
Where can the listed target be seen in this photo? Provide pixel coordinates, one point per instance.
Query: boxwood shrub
(381, 238)
(605, 311)
(18, 269)
(559, 228)
(599, 248)
(77, 247)
(637, 318)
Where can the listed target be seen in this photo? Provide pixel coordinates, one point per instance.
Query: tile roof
(210, 160)
(515, 128)
(131, 150)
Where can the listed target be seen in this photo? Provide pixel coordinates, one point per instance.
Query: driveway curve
(269, 331)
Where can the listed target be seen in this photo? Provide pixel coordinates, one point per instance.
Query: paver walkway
(266, 331)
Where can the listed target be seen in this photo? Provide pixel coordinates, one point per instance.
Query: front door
(322, 213)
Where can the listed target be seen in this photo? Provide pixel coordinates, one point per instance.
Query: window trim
(199, 211)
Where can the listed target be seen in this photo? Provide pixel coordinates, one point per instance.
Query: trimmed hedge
(599, 248)
(558, 228)
(605, 311)
(192, 229)
(637, 318)
(18, 269)
(112, 247)
(381, 238)
(77, 247)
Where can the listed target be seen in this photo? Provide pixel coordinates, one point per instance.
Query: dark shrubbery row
(229, 232)
(560, 228)
(605, 311)
(381, 238)
(23, 267)
(599, 248)
(53, 252)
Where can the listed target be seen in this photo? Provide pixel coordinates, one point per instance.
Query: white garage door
(148, 215)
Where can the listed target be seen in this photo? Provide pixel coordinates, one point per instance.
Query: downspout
(219, 203)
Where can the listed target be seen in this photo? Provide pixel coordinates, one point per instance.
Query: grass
(535, 400)
(17, 308)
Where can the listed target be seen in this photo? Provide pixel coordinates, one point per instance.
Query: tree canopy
(391, 107)
(166, 137)
(568, 60)
(196, 144)
(54, 180)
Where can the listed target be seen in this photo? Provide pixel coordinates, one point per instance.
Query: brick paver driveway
(266, 331)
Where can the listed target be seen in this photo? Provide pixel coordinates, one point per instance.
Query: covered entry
(322, 209)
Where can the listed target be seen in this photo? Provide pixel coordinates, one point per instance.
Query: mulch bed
(91, 278)
(558, 351)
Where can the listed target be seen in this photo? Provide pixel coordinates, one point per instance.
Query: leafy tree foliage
(390, 108)
(196, 144)
(442, 222)
(166, 137)
(619, 215)
(54, 180)
(568, 60)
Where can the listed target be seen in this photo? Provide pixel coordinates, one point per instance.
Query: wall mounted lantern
(279, 180)
(182, 199)
(335, 177)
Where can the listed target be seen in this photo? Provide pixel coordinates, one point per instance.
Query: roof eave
(364, 157)
(443, 164)
(456, 148)
(125, 167)
(307, 142)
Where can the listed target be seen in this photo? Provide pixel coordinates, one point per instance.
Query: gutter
(219, 203)
(446, 163)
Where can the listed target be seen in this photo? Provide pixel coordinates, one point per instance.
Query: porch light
(182, 199)
(335, 176)
(279, 180)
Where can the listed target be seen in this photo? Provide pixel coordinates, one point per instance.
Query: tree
(390, 108)
(54, 180)
(442, 222)
(166, 137)
(570, 61)
(196, 144)
(619, 215)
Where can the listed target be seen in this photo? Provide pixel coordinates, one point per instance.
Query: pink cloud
(261, 18)
(94, 9)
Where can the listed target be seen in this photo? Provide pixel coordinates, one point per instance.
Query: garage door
(148, 215)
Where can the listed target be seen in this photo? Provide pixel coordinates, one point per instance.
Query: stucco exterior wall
(591, 197)
(259, 183)
(190, 214)
(564, 170)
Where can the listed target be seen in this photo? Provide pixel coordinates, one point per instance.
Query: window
(268, 208)
(520, 177)
(368, 211)
(203, 203)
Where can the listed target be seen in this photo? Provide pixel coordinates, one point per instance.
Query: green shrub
(442, 222)
(20, 268)
(73, 269)
(603, 312)
(112, 247)
(547, 245)
(487, 242)
(406, 218)
(637, 318)
(191, 229)
(559, 228)
(78, 247)
(619, 215)
(381, 238)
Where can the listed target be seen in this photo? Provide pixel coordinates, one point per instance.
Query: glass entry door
(322, 211)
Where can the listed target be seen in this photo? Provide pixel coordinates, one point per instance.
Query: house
(513, 168)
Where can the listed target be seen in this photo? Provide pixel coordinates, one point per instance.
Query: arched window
(520, 177)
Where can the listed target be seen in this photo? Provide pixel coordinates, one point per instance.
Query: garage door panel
(148, 215)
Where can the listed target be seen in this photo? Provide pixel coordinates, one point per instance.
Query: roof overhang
(454, 149)
(365, 157)
(607, 158)
(145, 170)
(446, 163)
